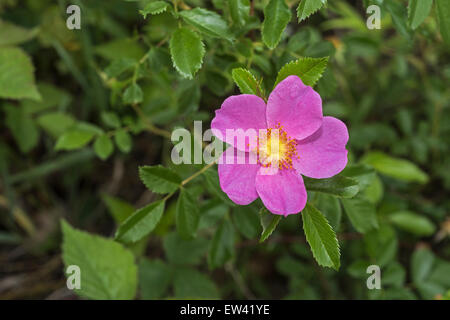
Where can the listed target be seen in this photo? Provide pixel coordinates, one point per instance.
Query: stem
(150, 127)
(197, 173)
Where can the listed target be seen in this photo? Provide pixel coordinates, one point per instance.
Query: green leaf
(207, 22)
(187, 215)
(308, 7)
(156, 7)
(107, 268)
(246, 220)
(141, 223)
(418, 10)
(396, 168)
(111, 119)
(381, 244)
(73, 139)
(308, 69)
(103, 147)
(187, 51)
(119, 209)
(222, 245)
(55, 123)
(176, 247)
(269, 222)
(133, 94)
(321, 237)
(17, 75)
(159, 179)
(331, 208)
(11, 34)
(399, 17)
(154, 278)
(443, 15)
(22, 126)
(361, 213)
(123, 140)
(191, 284)
(239, 11)
(212, 181)
(422, 261)
(246, 81)
(413, 223)
(338, 185)
(276, 17)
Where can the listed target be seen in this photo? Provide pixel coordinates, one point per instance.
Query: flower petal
(323, 154)
(238, 180)
(298, 108)
(283, 192)
(244, 111)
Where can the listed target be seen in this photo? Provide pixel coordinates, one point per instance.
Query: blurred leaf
(176, 249)
(418, 10)
(308, 7)
(111, 119)
(222, 245)
(119, 209)
(124, 48)
(73, 139)
(123, 140)
(11, 34)
(55, 123)
(17, 75)
(413, 223)
(269, 222)
(212, 181)
(191, 284)
(381, 245)
(103, 146)
(331, 208)
(119, 66)
(188, 214)
(338, 186)
(443, 15)
(208, 22)
(396, 168)
(22, 127)
(187, 51)
(321, 237)
(239, 11)
(422, 261)
(246, 221)
(308, 69)
(155, 7)
(394, 275)
(276, 17)
(107, 268)
(154, 278)
(361, 213)
(246, 81)
(133, 94)
(140, 223)
(159, 179)
(399, 17)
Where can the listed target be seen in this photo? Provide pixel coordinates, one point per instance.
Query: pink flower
(309, 144)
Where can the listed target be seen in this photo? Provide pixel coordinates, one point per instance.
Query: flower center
(276, 148)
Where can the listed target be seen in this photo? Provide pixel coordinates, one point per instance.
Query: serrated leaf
(239, 11)
(361, 213)
(159, 179)
(443, 15)
(103, 147)
(246, 81)
(133, 94)
(308, 69)
(187, 214)
(73, 139)
(222, 245)
(17, 75)
(308, 7)
(123, 140)
(207, 22)
(187, 51)
(276, 17)
(321, 237)
(338, 185)
(152, 8)
(107, 269)
(418, 10)
(394, 167)
(269, 222)
(140, 223)
(413, 223)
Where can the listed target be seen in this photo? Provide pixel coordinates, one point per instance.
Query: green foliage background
(86, 176)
